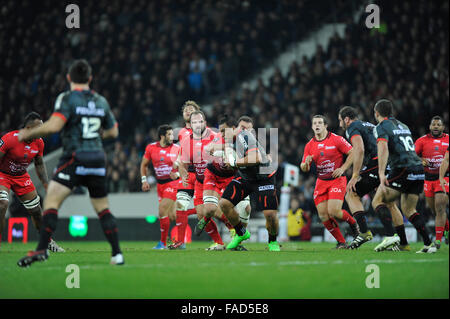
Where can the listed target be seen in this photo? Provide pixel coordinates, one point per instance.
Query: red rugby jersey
(18, 155)
(328, 154)
(192, 152)
(162, 159)
(433, 150)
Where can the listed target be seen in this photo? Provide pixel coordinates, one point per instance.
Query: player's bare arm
(41, 171)
(252, 158)
(358, 158)
(306, 166)
(183, 172)
(144, 171)
(383, 154)
(111, 133)
(442, 171)
(348, 162)
(53, 125)
(211, 148)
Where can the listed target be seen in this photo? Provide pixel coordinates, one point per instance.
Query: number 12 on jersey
(91, 126)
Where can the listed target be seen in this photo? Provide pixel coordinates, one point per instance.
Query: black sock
(48, 227)
(385, 217)
(109, 227)
(272, 238)
(418, 222)
(240, 229)
(361, 220)
(400, 230)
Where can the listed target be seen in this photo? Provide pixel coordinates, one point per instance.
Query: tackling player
(15, 157)
(365, 180)
(162, 155)
(405, 179)
(256, 175)
(327, 151)
(431, 148)
(80, 114)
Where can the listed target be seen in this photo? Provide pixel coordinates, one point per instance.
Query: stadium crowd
(155, 55)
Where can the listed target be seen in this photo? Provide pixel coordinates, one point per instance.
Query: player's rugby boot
(361, 239)
(33, 256)
(238, 239)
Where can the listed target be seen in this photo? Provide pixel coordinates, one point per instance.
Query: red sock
(164, 223)
(182, 221)
(446, 225)
(212, 231)
(347, 217)
(226, 222)
(334, 230)
(439, 232)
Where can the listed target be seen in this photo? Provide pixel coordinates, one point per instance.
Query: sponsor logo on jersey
(34, 151)
(320, 145)
(330, 147)
(91, 105)
(336, 190)
(82, 110)
(402, 130)
(266, 187)
(162, 152)
(27, 147)
(436, 141)
(83, 171)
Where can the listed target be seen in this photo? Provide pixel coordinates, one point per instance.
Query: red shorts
(332, 189)
(167, 190)
(20, 185)
(215, 183)
(432, 187)
(198, 193)
(191, 182)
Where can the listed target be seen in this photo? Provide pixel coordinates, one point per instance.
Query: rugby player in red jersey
(185, 193)
(327, 151)
(162, 155)
(193, 153)
(15, 157)
(431, 148)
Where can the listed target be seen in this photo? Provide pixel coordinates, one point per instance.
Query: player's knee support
(213, 200)
(32, 203)
(4, 199)
(183, 200)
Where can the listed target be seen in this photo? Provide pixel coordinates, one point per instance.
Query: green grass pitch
(300, 270)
